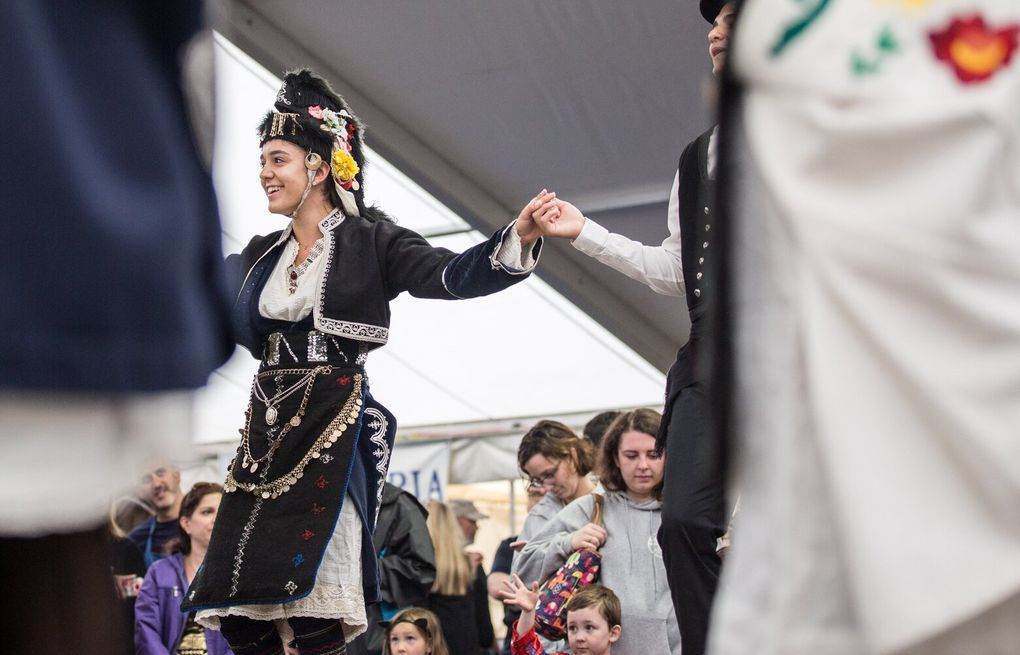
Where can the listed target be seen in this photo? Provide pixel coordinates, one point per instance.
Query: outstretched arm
(657, 267)
(516, 595)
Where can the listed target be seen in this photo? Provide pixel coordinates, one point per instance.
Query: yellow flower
(344, 166)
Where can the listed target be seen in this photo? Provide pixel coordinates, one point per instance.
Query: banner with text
(421, 469)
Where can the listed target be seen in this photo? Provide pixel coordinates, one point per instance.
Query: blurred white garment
(876, 241)
(65, 456)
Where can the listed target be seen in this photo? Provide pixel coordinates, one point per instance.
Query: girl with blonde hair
(414, 631)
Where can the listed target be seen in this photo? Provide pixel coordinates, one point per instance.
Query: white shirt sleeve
(658, 267)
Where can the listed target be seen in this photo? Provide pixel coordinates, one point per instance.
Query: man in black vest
(694, 512)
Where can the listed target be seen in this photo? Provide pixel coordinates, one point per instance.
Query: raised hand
(565, 223)
(588, 536)
(542, 205)
(517, 595)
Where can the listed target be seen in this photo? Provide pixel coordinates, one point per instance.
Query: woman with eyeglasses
(630, 470)
(556, 460)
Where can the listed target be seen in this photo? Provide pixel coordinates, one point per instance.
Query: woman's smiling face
(284, 177)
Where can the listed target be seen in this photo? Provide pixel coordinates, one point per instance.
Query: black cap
(711, 8)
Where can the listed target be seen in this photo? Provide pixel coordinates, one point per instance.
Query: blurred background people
(630, 469)
(160, 626)
(468, 517)
(126, 562)
(161, 490)
(459, 597)
(597, 425)
(407, 564)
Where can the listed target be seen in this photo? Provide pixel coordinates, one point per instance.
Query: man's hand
(564, 224)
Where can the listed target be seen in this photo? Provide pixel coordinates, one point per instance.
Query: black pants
(311, 635)
(693, 516)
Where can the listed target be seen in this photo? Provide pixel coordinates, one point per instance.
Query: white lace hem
(342, 603)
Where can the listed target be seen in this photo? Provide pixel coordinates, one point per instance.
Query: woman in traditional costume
(293, 542)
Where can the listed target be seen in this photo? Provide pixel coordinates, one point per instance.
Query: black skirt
(288, 480)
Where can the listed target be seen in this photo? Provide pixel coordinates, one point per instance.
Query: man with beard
(161, 489)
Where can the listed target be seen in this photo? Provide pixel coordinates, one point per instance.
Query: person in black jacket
(407, 564)
(694, 513)
(293, 540)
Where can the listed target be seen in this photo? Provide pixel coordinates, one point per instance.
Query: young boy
(593, 619)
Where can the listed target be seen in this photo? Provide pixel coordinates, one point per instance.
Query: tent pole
(513, 508)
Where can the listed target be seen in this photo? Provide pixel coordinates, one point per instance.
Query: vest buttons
(706, 209)
(704, 244)
(697, 293)
(699, 275)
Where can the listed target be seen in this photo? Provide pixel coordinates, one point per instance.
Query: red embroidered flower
(321, 482)
(973, 49)
(307, 534)
(343, 380)
(317, 508)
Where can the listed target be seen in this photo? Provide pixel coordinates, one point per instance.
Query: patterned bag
(580, 569)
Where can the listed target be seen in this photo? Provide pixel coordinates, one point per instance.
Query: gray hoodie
(631, 566)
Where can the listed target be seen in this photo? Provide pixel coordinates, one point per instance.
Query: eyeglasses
(544, 478)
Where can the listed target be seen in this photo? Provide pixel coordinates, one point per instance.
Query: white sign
(421, 469)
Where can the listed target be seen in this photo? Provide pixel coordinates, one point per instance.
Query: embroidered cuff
(592, 239)
(509, 255)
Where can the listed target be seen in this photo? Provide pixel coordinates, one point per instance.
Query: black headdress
(312, 116)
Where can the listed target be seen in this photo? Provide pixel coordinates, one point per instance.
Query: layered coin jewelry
(347, 417)
(294, 272)
(272, 403)
(248, 460)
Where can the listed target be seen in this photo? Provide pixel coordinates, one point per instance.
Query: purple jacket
(159, 621)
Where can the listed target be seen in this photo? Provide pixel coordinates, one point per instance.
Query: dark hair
(596, 595)
(641, 420)
(596, 427)
(555, 440)
(182, 543)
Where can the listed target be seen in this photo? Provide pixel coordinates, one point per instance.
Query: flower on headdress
(315, 112)
(344, 166)
(975, 50)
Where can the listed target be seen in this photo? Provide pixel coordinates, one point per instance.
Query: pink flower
(315, 112)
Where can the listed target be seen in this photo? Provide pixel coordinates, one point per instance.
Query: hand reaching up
(564, 224)
(541, 205)
(517, 595)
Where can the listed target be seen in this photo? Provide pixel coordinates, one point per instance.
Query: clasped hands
(547, 215)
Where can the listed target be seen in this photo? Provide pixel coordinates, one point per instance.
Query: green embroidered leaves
(795, 29)
(885, 44)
